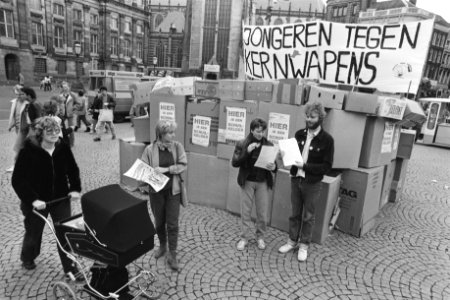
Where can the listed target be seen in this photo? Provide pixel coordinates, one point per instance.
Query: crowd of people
(45, 169)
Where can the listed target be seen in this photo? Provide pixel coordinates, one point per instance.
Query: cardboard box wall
(208, 108)
(232, 90)
(206, 88)
(282, 208)
(376, 148)
(347, 130)
(233, 203)
(180, 113)
(141, 127)
(388, 175)
(330, 98)
(129, 151)
(207, 183)
(225, 147)
(361, 103)
(406, 143)
(260, 90)
(360, 199)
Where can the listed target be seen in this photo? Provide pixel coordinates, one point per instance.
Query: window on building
(158, 20)
(114, 45)
(114, 23)
(260, 21)
(37, 34)
(355, 9)
(344, 11)
(115, 67)
(127, 48)
(58, 9)
(6, 23)
(35, 4)
(179, 57)
(139, 49)
(59, 37)
(159, 50)
(62, 67)
(127, 26)
(78, 36)
(94, 43)
(278, 21)
(40, 65)
(209, 28)
(434, 38)
(77, 15)
(139, 29)
(335, 11)
(128, 68)
(223, 36)
(94, 19)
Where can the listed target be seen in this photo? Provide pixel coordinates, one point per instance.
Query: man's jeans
(304, 197)
(259, 193)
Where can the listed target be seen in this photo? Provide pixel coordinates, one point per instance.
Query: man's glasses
(52, 130)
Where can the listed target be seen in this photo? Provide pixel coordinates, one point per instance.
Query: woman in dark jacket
(45, 170)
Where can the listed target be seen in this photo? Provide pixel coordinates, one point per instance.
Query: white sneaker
(287, 247)
(302, 253)
(241, 245)
(261, 244)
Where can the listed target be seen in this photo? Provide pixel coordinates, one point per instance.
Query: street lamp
(77, 49)
(155, 62)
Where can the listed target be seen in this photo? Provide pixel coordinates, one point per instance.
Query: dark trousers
(34, 226)
(82, 118)
(166, 210)
(303, 200)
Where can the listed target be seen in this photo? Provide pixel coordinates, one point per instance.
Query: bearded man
(317, 149)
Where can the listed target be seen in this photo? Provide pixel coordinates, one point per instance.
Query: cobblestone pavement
(406, 255)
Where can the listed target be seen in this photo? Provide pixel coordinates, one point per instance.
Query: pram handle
(56, 201)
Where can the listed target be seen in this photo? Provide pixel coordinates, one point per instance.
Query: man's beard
(313, 125)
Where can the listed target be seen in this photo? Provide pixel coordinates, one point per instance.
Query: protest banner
(389, 57)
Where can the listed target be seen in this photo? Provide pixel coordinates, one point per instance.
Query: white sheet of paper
(267, 155)
(143, 172)
(291, 151)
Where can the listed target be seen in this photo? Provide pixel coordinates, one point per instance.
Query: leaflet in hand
(290, 152)
(143, 172)
(267, 155)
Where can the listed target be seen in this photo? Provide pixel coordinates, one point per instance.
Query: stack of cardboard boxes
(371, 152)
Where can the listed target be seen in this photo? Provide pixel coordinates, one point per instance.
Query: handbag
(105, 115)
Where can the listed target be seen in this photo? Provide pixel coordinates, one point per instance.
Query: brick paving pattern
(406, 255)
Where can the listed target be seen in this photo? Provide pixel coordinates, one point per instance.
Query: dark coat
(320, 158)
(241, 160)
(97, 104)
(39, 176)
(32, 110)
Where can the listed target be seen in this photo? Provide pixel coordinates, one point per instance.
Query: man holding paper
(317, 149)
(254, 181)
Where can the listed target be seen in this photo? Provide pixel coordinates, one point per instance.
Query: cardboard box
(361, 103)
(413, 115)
(360, 199)
(406, 143)
(206, 88)
(162, 105)
(225, 146)
(391, 107)
(290, 92)
(207, 183)
(142, 91)
(388, 175)
(259, 90)
(276, 131)
(347, 130)
(395, 141)
(232, 89)
(207, 108)
(129, 151)
(141, 127)
(330, 98)
(377, 142)
(282, 208)
(234, 199)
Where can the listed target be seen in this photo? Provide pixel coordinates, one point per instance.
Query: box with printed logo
(259, 90)
(391, 107)
(206, 88)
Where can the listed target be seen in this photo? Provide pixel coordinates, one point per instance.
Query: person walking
(21, 79)
(317, 149)
(104, 102)
(70, 107)
(45, 170)
(254, 182)
(81, 112)
(168, 157)
(24, 110)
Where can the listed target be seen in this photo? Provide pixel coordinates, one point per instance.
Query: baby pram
(113, 231)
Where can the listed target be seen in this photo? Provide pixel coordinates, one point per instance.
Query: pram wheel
(62, 291)
(149, 285)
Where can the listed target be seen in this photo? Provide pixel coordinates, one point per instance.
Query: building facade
(41, 37)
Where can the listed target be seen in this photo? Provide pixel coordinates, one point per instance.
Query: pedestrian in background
(24, 110)
(21, 79)
(70, 108)
(45, 170)
(105, 102)
(255, 182)
(81, 112)
(52, 108)
(317, 149)
(168, 157)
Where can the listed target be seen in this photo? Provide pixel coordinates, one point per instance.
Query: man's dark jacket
(39, 176)
(320, 157)
(241, 160)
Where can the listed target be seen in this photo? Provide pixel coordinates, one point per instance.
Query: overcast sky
(440, 7)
